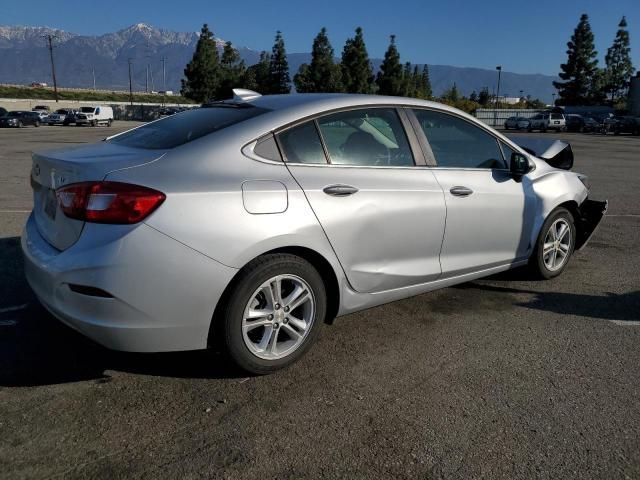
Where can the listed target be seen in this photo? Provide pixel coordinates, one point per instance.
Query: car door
(383, 213)
(488, 212)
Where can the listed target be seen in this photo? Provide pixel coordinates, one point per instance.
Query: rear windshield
(556, 116)
(184, 127)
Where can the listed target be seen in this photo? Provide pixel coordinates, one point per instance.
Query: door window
(457, 143)
(366, 137)
(302, 144)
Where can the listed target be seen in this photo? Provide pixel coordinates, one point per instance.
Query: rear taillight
(108, 202)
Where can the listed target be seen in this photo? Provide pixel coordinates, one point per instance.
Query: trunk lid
(53, 169)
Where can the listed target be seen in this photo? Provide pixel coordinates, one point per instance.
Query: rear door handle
(340, 190)
(461, 191)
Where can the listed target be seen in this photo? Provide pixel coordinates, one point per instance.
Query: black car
(626, 125)
(581, 123)
(20, 118)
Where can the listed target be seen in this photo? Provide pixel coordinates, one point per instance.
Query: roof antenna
(244, 95)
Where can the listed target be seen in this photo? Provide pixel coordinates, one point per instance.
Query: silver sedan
(249, 223)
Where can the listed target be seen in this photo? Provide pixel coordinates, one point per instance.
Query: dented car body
(144, 241)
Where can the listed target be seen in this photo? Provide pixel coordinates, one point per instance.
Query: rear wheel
(37, 124)
(555, 244)
(274, 313)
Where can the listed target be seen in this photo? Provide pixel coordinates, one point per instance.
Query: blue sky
(523, 36)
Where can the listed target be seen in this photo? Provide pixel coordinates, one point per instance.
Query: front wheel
(555, 244)
(37, 124)
(273, 314)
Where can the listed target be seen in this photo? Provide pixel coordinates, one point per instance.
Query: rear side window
(266, 148)
(186, 127)
(302, 144)
(457, 143)
(366, 137)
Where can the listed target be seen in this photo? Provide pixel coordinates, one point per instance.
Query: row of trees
(209, 76)
(584, 83)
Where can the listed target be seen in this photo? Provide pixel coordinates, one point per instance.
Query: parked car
(626, 124)
(93, 116)
(42, 114)
(580, 123)
(250, 222)
(20, 118)
(518, 123)
(547, 121)
(166, 111)
(59, 117)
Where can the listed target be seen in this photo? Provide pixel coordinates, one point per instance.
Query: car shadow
(37, 349)
(610, 306)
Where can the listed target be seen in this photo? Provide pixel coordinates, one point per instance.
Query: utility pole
(53, 66)
(93, 72)
(164, 74)
(495, 111)
(130, 85)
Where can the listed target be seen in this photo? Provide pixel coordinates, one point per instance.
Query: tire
(93, 123)
(548, 267)
(37, 124)
(20, 124)
(543, 129)
(250, 292)
(109, 122)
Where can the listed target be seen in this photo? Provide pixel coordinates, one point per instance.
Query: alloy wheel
(557, 245)
(278, 317)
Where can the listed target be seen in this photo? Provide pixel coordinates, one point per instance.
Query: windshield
(14, 114)
(87, 109)
(184, 127)
(63, 112)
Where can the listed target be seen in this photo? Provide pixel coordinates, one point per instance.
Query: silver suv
(548, 121)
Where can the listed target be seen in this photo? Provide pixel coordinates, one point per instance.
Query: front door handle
(461, 191)
(340, 190)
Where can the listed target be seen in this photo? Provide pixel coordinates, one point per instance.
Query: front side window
(457, 143)
(302, 144)
(366, 137)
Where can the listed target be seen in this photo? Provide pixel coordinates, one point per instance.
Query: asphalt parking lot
(499, 378)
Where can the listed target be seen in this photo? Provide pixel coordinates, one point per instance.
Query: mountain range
(24, 58)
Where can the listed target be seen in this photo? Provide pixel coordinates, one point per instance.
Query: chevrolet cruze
(248, 223)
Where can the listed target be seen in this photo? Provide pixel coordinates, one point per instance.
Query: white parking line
(14, 308)
(15, 211)
(624, 215)
(626, 323)
(8, 323)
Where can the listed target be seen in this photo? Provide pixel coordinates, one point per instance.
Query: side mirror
(519, 165)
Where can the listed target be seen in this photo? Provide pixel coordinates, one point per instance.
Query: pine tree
(451, 95)
(483, 96)
(474, 96)
(618, 60)
(389, 78)
(407, 88)
(232, 71)
(323, 75)
(357, 73)
(259, 73)
(578, 73)
(278, 80)
(202, 72)
(416, 80)
(427, 91)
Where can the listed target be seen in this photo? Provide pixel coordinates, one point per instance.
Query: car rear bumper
(146, 292)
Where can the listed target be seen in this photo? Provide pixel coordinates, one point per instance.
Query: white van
(98, 115)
